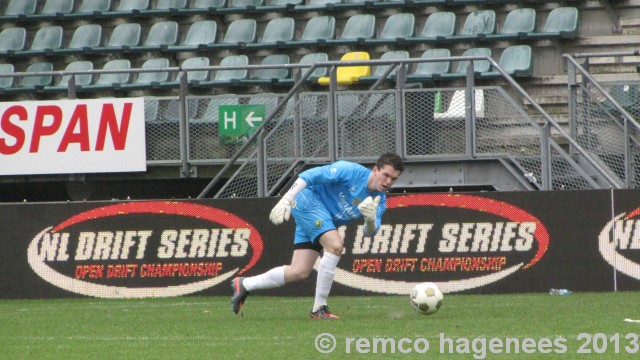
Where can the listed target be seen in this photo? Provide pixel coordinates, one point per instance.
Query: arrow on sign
(251, 119)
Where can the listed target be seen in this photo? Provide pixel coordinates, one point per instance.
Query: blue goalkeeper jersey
(341, 187)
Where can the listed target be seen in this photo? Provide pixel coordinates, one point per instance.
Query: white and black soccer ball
(426, 298)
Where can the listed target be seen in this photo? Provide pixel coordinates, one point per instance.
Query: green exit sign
(236, 123)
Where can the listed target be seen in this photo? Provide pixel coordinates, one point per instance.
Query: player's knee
(335, 249)
(299, 274)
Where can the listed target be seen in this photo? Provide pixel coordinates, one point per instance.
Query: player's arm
(282, 211)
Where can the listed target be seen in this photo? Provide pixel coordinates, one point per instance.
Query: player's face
(383, 178)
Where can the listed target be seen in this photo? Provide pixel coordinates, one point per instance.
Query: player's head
(385, 172)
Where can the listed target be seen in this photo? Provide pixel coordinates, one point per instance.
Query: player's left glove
(369, 208)
(281, 212)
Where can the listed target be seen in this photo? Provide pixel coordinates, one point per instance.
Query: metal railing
(604, 117)
(423, 124)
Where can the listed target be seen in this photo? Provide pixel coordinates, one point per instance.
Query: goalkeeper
(321, 200)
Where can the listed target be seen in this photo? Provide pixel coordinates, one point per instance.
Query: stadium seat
(312, 58)
(6, 82)
(396, 30)
(12, 39)
(439, 27)
(516, 60)
(431, 70)
(477, 26)
(85, 38)
(317, 31)
(160, 36)
(379, 70)
(562, 22)
(194, 77)
(123, 37)
(209, 5)
(20, 9)
(271, 76)
(517, 24)
(92, 7)
(479, 66)
(111, 80)
(80, 79)
(457, 106)
(131, 7)
(239, 33)
(282, 5)
(170, 5)
(200, 34)
(35, 82)
(46, 40)
(317, 5)
(346, 75)
(277, 33)
(147, 80)
(241, 6)
(56, 8)
(358, 28)
(230, 76)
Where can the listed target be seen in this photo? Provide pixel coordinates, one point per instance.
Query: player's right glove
(281, 212)
(369, 208)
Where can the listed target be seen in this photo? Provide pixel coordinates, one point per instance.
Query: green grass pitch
(279, 328)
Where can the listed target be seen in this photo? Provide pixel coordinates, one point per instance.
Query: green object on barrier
(238, 122)
(437, 103)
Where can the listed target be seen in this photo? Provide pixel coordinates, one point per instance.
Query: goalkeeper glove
(369, 208)
(281, 212)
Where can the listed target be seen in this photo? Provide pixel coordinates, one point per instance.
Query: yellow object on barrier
(346, 75)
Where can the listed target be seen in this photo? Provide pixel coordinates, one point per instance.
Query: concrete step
(630, 25)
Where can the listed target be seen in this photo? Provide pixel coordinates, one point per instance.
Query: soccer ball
(426, 298)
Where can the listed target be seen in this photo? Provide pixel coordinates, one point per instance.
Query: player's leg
(333, 245)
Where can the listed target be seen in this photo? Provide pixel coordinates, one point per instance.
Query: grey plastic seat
(277, 33)
(196, 76)
(123, 37)
(517, 24)
(431, 70)
(272, 76)
(209, 4)
(170, 5)
(46, 40)
(57, 8)
(230, 76)
(477, 25)
(358, 29)
(130, 7)
(439, 27)
(36, 82)
(396, 29)
(562, 22)
(317, 5)
(160, 36)
(80, 79)
(200, 34)
(85, 38)
(12, 40)
(113, 80)
(315, 58)
(20, 8)
(94, 7)
(479, 66)
(243, 5)
(239, 33)
(154, 79)
(318, 30)
(516, 60)
(379, 70)
(6, 82)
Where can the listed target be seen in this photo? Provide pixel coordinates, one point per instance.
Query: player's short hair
(390, 159)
